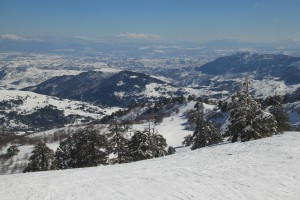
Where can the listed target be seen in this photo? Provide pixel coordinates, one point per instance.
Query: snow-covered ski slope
(263, 169)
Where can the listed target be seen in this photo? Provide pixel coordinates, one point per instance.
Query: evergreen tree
(247, 120)
(275, 107)
(205, 133)
(194, 114)
(62, 157)
(199, 138)
(41, 159)
(145, 145)
(187, 140)
(158, 144)
(85, 148)
(139, 147)
(95, 146)
(12, 150)
(117, 142)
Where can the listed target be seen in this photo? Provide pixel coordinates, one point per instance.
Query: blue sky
(165, 20)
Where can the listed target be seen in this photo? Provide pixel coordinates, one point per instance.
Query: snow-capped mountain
(269, 74)
(24, 111)
(118, 89)
(284, 67)
(278, 73)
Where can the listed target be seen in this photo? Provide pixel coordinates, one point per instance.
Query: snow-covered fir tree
(247, 120)
(187, 140)
(145, 145)
(275, 107)
(158, 144)
(205, 133)
(139, 147)
(85, 148)
(117, 143)
(41, 159)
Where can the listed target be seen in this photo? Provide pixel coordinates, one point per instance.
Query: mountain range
(118, 89)
(286, 68)
(270, 74)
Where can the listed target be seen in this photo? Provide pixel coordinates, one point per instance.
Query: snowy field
(262, 169)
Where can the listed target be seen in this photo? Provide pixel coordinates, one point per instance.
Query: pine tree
(85, 148)
(145, 145)
(205, 133)
(275, 107)
(187, 140)
(193, 114)
(158, 144)
(247, 120)
(139, 147)
(12, 150)
(95, 146)
(117, 143)
(199, 138)
(62, 156)
(41, 159)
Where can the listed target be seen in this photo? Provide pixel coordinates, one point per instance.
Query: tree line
(88, 147)
(248, 120)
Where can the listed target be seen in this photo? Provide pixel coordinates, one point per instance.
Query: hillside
(173, 127)
(23, 110)
(118, 89)
(278, 74)
(230, 171)
(285, 67)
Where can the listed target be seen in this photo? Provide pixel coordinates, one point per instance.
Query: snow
(173, 128)
(33, 101)
(264, 115)
(17, 163)
(260, 169)
(119, 94)
(158, 90)
(28, 69)
(271, 87)
(120, 83)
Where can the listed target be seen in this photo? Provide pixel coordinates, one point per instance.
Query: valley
(149, 100)
(41, 95)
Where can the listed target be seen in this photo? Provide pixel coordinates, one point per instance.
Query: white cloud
(12, 37)
(145, 36)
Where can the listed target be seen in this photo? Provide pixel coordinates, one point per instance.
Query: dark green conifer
(247, 120)
(41, 159)
(85, 148)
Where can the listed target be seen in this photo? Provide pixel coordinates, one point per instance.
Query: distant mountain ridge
(285, 67)
(119, 89)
